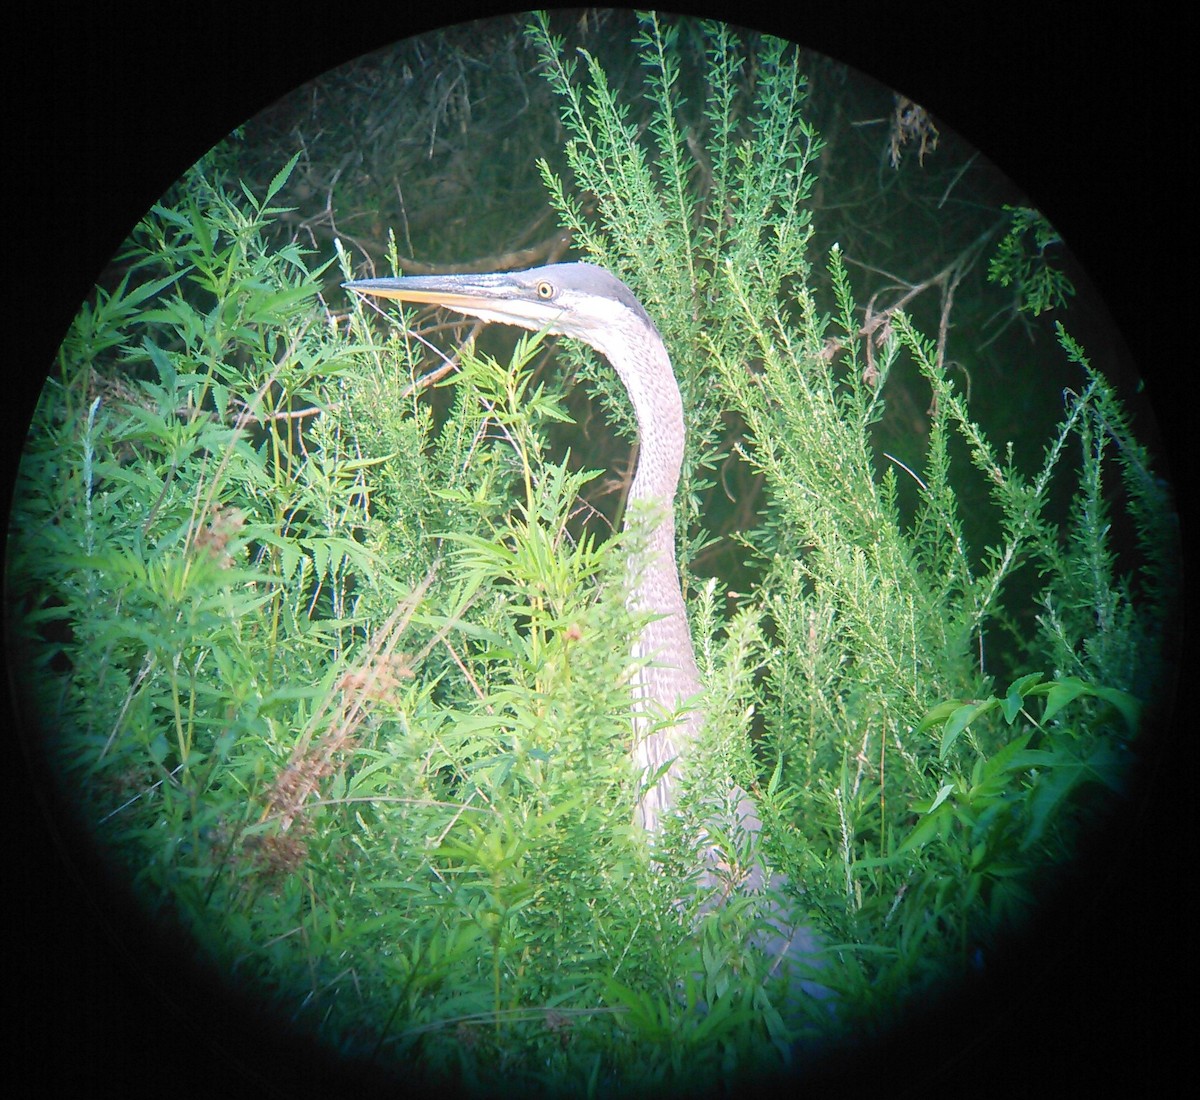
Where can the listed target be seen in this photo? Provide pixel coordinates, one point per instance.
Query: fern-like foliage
(868, 617)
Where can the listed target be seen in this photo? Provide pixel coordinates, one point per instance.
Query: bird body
(588, 303)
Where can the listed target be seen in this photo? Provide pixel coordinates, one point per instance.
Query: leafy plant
(335, 671)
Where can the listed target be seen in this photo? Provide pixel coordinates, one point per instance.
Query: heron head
(573, 299)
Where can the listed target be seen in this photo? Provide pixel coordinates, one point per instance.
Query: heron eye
(545, 290)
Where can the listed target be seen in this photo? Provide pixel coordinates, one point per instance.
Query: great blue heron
(590, 304)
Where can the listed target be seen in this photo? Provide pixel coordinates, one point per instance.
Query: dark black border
(1091, 113)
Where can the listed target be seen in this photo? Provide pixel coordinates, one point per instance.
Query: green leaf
(960, 719)
(1129, 707)
(776, 776)
(936, 818)
(1062, 692)
(937, 715)
(943, 793)
(1014, 699)
(279, 179)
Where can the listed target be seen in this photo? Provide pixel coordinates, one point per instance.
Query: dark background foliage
(1086, 113)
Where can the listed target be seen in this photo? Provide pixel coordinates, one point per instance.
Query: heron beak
(492, 297)
(438, 290)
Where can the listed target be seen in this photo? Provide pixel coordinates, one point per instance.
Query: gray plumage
(588, 303)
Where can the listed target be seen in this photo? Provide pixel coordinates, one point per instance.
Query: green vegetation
(337, 674)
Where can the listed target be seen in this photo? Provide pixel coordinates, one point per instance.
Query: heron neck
(640, 359)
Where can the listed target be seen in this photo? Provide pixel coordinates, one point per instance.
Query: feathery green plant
(870, 620)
